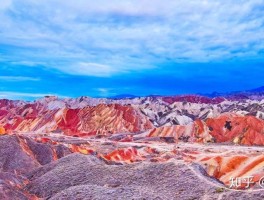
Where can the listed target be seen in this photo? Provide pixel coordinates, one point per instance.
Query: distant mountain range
(260, 89)
(242, 94)
(124, 96)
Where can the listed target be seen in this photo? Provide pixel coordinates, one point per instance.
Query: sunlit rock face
(247, 166)
(228, 127)
(2, 130)
(193, 132)
(104, 120)
(247, 130)
(101, 119)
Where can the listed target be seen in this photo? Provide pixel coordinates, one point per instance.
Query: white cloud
(89, 69)
(18, 78)
(105, 92)
(84, 37)
(26, 63)
(111, 91)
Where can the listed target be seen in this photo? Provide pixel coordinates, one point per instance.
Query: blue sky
(108, 47)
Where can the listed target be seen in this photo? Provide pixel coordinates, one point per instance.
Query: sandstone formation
(185, 147)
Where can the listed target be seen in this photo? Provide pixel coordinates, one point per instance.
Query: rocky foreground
(73, 168)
